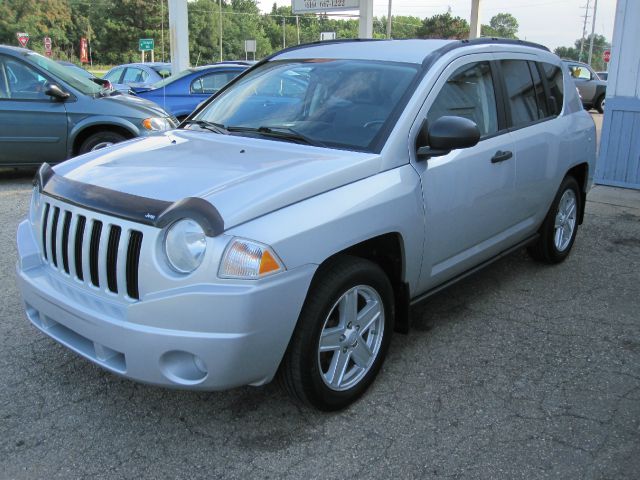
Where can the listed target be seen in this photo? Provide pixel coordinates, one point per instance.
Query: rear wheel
(99, 140)
(342, 335)
(559, 229)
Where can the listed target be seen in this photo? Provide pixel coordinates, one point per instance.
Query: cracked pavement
(520, 371)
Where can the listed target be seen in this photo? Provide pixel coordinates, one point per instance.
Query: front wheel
(342, 335)
(558, 231)
(99, 140)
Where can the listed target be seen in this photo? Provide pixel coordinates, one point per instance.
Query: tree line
(113, 27)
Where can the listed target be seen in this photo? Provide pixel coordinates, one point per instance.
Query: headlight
(184, 245)
(249, 260)
(157, 124)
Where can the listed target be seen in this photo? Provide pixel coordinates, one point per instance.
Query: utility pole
(178, 35)
(474, 32)
(389, 21)
(162, 27)
(365, 23)
(220, 22)
(584, 30)
(284, 34)
(593, 30)
(298, 27)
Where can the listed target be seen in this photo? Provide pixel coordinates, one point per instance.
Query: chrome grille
(101, 254)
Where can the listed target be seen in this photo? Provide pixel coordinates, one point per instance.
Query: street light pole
(220, 23)
(474, 32)
(389, 21)
(593, 31)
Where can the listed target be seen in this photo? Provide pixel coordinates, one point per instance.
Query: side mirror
(55, 91)
(445, 134)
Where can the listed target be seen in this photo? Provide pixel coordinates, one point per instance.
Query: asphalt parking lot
(521, 371)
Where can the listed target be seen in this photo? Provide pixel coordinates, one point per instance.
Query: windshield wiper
(211, 126)
(282, 132)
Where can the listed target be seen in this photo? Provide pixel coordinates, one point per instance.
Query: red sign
(23, 38)
(606, 56)
(47, 46)
(84, 51)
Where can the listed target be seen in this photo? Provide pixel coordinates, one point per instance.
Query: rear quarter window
(553, 75)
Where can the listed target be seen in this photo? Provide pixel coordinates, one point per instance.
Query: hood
(244, 178)
(141, 105)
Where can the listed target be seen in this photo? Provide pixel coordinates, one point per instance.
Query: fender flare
(93, 121)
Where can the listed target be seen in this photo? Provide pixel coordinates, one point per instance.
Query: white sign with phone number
(308, 6)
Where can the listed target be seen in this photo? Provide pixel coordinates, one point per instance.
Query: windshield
(162, 70)
(338, 103)
(67, 75)
(166, 81)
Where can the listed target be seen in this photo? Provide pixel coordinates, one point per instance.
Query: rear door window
(469, 93)
(134, 75)
(210, 84)
(114, 75)
(541, 96)
(520, 91)
(553, 75)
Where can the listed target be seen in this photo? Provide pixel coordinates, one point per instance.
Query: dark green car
(49, 114)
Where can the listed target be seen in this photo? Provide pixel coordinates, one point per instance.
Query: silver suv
(287, 226)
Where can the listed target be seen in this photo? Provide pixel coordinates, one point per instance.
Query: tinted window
(520, 92)
(134, 75)
(210, 84)
(114, 75)
(556, 90)
(541, 97)
(468, 93)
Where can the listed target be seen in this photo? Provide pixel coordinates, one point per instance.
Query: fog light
(183, 368)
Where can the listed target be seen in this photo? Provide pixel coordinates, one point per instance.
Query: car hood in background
(243, 177)
(142, 105)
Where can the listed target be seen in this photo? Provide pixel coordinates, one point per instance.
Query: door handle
(501, 156)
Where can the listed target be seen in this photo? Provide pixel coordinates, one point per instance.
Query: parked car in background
(86, 74)
(592, 89)
(124, 77)
(603, 75)
(180, 94)
(289, 238)
(48, 113)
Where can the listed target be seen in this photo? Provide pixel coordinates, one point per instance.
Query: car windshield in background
(65, 74)
(337, 103)
(163, 71)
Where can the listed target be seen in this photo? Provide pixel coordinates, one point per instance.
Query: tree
(502, 25)
(444, 26)
(600, 44)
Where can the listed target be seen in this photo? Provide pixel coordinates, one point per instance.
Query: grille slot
(78, 246)
(133, 259)
(54, 243)
(112, 258)
(65, 241)
(45, 221)
(96, 253)
(94, 250)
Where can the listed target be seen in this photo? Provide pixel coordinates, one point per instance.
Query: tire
(600, 104)
(98, 140)
(559, 229)
(306, 373)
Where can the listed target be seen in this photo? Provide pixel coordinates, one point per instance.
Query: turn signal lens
(249, 260)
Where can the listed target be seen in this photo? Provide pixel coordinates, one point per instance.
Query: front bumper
(205, 336)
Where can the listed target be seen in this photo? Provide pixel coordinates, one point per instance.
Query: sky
(553, 23)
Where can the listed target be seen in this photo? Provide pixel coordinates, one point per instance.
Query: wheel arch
(82, 131)
(388, 252)
(581, 173)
